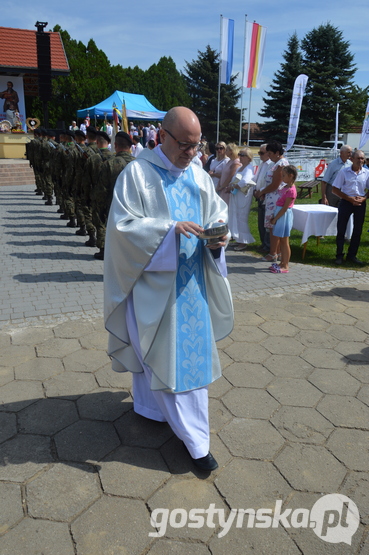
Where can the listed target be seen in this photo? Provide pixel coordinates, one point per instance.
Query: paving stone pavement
(81, 473)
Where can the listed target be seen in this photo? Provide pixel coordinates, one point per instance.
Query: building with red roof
(18, 56)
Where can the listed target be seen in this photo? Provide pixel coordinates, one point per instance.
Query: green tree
(201, 76)
(92, 78)
(165, 85)
(358, 103)
(328, 62)
(277, 104)
(87, 83)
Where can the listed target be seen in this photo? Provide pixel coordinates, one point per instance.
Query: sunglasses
(219, 148)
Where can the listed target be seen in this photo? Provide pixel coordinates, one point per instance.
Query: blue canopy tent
(137, 107)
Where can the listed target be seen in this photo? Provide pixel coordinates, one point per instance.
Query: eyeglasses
(242, 154)
(184, 146)
(219, 148)
(261, 152)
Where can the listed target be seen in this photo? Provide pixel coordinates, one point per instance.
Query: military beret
(124, 135)
(103, 135)
(69, 132)
(51, 133)
(91, 130)
(42, 130)
(80, 133)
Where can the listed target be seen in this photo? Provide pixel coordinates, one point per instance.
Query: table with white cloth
(319, 220)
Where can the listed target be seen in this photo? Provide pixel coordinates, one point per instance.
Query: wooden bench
(307, 188)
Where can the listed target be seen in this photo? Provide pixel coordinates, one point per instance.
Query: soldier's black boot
(92, 240)
(49, 201)
(44, 197)
(81, 231)
(60, 211)
(99, 255)
(72, 222)
(64, 217)
(39, 193)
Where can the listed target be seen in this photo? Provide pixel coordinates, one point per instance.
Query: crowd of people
(238, 182)
(345, 185)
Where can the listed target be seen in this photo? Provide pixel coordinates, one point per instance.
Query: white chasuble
(179, 313)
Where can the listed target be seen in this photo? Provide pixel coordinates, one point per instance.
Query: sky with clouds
(140, 32)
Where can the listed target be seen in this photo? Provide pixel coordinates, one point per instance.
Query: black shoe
(206, 463)
(44, 197)
(91, 242)
(49, 201)
(99, 255)
(354, 260)
(82, 231)
(339, 259)
(60, 211)
(64, 217)
(39, 193)
(72, 222)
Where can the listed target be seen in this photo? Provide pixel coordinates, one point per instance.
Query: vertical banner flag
(336, 130)
(297, 96)
(124, 117)
(226, 50)
(116, 114)
(254, 55)
(365, 131)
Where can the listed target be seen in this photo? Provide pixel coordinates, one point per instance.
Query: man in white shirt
(343, 161)
(260, 185)
(350, 185)
(83, 126)
(137, 146)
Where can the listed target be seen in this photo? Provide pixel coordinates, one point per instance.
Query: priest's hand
(188, 227)
(222, 241)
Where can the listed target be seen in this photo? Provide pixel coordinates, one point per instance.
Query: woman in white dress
(240, 201)
(229, 171)
(218, 164)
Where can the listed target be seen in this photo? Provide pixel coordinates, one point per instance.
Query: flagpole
(243, 76)
(336, 129)
(220, 69)
(249, 124)
(248, 127)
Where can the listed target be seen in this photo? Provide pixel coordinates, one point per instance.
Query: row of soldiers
(80, 171)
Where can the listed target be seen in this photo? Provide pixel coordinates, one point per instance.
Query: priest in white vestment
(167, 299)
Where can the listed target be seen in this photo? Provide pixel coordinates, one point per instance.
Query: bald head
(183, 117)
(180, 136)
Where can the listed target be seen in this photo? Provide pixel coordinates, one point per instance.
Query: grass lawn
(323, 254)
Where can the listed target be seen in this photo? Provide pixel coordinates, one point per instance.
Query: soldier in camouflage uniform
(69, 177)
(82, 154)
(48, 147)
(37, 162)
(31, 148)
(102, 195)
(60, 160)
(90, 180)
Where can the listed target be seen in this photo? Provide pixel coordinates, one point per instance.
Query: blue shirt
(334, 167)
(351, 183)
